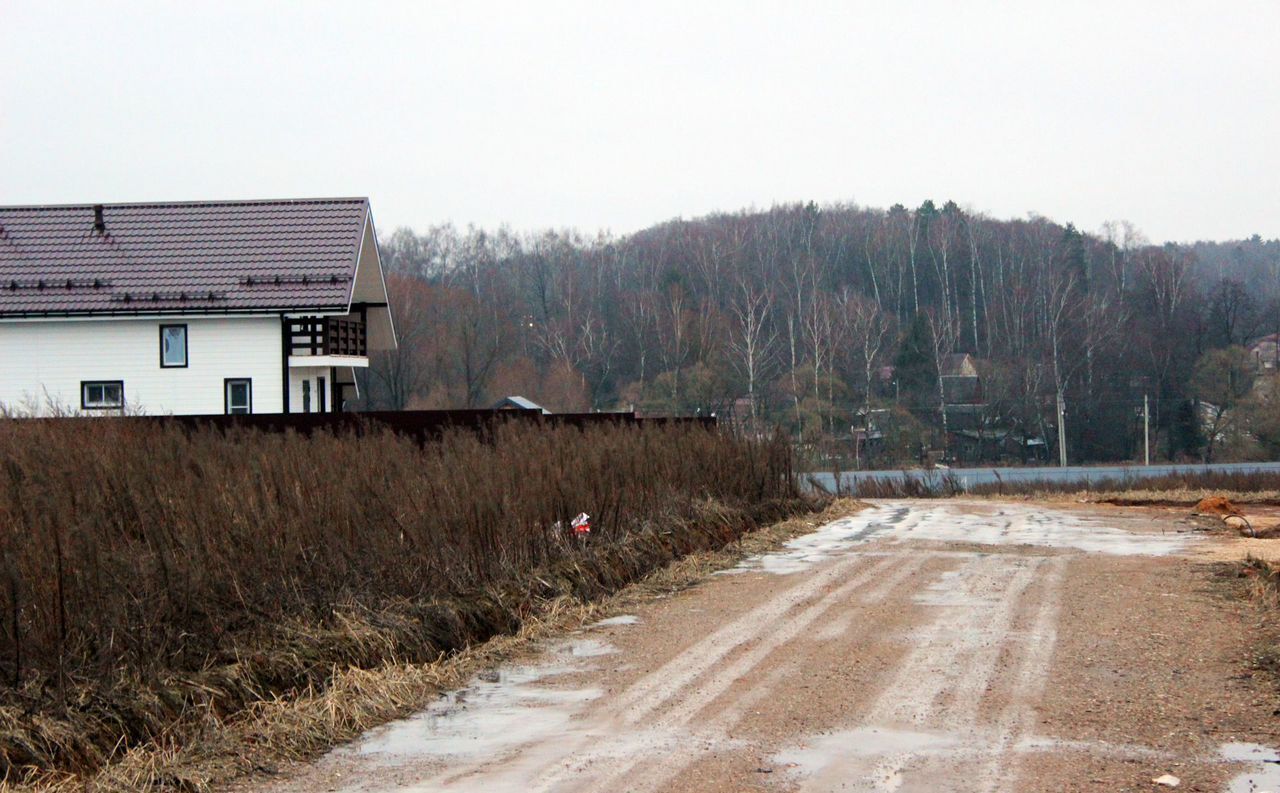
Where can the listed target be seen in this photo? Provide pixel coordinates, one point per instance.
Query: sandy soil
(915, 646)
(1228, 544)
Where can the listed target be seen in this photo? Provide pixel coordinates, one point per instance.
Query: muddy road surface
(916, 646)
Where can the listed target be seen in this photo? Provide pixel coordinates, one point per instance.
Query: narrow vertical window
(320, 395)
(239, 395)
(306, 396)
(173, 346)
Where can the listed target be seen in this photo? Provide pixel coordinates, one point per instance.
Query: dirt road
(915, 646)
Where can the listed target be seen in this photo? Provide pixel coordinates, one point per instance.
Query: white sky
(600, 115)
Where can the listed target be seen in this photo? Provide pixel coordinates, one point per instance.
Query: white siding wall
(52, 358)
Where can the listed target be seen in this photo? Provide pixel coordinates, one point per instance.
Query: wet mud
(914, 646)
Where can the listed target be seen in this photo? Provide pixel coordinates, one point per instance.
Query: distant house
(189, 308)
(868, 430)
(519, 403)
(739, 417)
(961, 384)
(994, 443)
(962, 392)
(1265, 352)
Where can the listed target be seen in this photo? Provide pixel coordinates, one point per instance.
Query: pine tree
(913, 367)
(1072, 258)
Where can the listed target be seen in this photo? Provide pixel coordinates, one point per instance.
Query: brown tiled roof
(210, 257)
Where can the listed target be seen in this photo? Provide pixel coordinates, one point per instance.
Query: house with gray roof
(189, 308)
(519, 403)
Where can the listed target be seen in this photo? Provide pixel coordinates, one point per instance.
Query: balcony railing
(326, 336)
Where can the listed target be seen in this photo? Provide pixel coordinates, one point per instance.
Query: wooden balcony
(326, 336)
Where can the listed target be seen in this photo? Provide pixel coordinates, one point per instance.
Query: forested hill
(809, 318)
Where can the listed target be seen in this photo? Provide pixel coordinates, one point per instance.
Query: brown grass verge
(276, 732)
(1262, 587)
(1180, 497)
(153, 579)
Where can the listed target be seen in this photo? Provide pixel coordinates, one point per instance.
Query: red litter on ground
(581, 524)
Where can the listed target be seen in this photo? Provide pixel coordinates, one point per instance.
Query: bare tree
(942, 335)
(405, 372)
(753, 339)
(867, 329)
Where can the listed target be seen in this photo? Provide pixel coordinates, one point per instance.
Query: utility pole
(1062, 431)
(1146, 429)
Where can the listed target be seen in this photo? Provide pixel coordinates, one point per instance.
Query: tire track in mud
(930, 705)
(1016, 720)
(657, 688)
(602, 747)
(971, 647)
(675, 721)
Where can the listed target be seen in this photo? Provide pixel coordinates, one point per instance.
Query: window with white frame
(173, 346)
(239, 395)
(101, 395)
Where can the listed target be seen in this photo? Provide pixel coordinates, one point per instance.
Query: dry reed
(155, 578)
(261, 738)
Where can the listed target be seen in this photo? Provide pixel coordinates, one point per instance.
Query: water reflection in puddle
(821, 751)
(1264, 776)
(625, 619)
(485, 718)
(1011, 525)
(587, 648)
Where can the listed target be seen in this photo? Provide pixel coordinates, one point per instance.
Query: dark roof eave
(231, 202)
(263, 310)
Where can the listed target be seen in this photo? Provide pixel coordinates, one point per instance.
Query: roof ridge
(205, 203)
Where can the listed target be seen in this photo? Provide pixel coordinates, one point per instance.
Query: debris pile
(1218, 507)
(1222, 508)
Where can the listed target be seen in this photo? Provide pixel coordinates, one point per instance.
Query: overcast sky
(599, 115)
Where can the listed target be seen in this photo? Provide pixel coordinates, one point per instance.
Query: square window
(173, 346)
(239, 396)
(102, 395)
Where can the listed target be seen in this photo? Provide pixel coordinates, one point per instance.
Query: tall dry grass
(1262, 586)
(148, 572)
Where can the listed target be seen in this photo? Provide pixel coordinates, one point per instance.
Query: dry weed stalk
(159, 581)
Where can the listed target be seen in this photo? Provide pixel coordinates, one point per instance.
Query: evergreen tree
(913, 367)
(1072, 258)
(1184, 431)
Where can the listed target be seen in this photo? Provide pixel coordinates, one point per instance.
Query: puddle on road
(625, 619)
(1010, 525)
(1265, 774)
(586, 648)
(823, 750)
(483, 719)
(1029, 525)
(833, 539)
(832, 754)
(835, 755)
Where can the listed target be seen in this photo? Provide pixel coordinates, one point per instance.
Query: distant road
(972, 477)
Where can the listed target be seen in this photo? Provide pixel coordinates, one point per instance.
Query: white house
(189, 308)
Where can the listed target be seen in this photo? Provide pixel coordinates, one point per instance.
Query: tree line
(833, 323)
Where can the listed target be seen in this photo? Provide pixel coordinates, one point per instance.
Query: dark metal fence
(421, 424)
